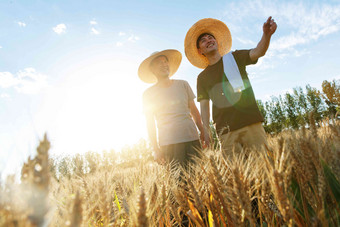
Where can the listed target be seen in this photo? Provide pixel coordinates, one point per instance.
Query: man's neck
(164, 82)
(213, 57)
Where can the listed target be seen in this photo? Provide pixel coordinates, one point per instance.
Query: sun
(98, 106)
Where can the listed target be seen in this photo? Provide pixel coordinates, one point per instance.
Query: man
(224, 80)
(170, 104)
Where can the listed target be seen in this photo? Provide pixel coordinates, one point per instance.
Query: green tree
(302, 106)
(276, 114)
(331, 94)
(315, 102)
(290, 107)
(263, 111)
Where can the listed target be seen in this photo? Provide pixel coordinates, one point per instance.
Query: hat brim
(208, 25)
(174, 59)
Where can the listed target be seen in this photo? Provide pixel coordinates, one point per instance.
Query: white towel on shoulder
(232, 72)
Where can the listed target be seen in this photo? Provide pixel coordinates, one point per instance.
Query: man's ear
(200, 52)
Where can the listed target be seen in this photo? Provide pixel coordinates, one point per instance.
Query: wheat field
(292, 182)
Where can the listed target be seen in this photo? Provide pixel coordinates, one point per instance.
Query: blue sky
(69, 68)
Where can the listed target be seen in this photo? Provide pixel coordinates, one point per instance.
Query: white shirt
(170, 107)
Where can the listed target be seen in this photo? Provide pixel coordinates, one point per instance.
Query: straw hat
(208, 25)
(174, 58)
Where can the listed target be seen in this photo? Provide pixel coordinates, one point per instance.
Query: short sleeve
(242, 57)
(189, 91)
(202, 92)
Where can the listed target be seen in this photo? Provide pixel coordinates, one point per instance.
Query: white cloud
(245, 41)
(0, 47)
(95, 31)
(299, 53)
(268, 97)
(60, 28)
(31, 81)
(306, 23)
(253, 75)
(4, 96)
(27, 81)
(21, 24)
(288, 41)
(133, 38)
(93, 22)
(262, 64)
(7, 80)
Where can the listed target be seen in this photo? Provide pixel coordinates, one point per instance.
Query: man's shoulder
(203, 74)
(243, 57)
(208, 70)
(179, 81)
(241, 52)
(149, 90)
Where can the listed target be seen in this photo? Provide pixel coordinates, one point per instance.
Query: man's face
(207, 44)
(160, 66)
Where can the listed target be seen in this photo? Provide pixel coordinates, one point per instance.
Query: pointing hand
(269, 27)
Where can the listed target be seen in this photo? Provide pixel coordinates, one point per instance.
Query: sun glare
(99, 108)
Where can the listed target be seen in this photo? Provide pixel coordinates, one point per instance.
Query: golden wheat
(295, 181)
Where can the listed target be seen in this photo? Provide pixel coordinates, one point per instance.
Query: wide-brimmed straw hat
(208, 25)
(174, 58)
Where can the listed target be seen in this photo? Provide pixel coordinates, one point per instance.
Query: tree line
(294, 110)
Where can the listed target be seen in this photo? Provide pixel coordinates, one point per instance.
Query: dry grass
(295, 182)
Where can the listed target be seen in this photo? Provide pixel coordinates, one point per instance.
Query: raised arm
(205, 114)
(269, 28)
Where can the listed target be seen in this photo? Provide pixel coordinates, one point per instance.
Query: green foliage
(292, 111)
(331, 95)
(276, 115)
(301, 106)
(263, 111)
(315, 102)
